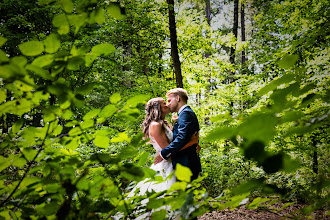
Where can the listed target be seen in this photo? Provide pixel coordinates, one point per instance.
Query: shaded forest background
(75, 75)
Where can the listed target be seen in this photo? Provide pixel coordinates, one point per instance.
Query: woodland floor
(273, 212)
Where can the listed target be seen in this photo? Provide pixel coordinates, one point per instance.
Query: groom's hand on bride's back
(158, 158)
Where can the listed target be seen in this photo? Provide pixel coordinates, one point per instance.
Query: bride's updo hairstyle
(153, 113)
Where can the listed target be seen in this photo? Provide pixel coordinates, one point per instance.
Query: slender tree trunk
(235, 27)
(315, 161)
(174, 45)
(208, 11)
(243, 29)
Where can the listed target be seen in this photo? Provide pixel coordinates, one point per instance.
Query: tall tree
(235, 27)
(174, 44)
(243, 59)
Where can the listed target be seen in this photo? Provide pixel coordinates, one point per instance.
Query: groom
(180, 150)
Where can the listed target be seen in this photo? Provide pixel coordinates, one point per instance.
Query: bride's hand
(158, 158)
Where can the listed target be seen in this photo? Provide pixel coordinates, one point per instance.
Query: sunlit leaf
(30, 153)
(108, 111)
(31, 48)
(183, 173)
(115, 98)
(115, 11)
(134, 101)
(92, 114)
(52, 43)
(105, 49)
(98, 16)
(43, 60)
(120, 138)
(102, 141)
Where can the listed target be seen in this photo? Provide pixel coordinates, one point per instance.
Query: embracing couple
(177, 145)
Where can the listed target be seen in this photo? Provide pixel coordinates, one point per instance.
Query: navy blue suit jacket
(183, 130)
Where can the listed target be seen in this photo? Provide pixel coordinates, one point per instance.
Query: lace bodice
(169, 135)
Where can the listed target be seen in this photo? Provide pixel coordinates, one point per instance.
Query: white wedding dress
(163, 168)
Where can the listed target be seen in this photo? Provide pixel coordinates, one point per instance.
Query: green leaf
(108, 111)
(288, 61)
(52, 43)
(120, 138)
(115, 11)
(115, 98)
(105, 49)
(292, 116)
(17, 126)
(134, 101)
(3, 95)
(31, 48)
(287, 78)
(87, 124)
(92, 114)
(75, 63)
(155, 203)
(258, 127)
(102, 141)
(73, 144)
(30, 153)
(256, 202)
(143, 158)
(67, 6)
(3, 57)
(52, 187)
(44, 60)
(98, 16)
(159, 215)
(183, 173)
(221, 133)
(62, 23)
(78, 20)
(2, 41)
(4, 163)
(290, 165)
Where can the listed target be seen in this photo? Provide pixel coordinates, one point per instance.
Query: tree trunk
(243, 29)
(174, 45)
(235, 27)
(208, 11)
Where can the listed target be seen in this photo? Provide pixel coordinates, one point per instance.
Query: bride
(160, 133)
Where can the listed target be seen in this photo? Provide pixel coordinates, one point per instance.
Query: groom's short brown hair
(180, 92)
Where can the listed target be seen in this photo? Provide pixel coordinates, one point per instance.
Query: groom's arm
(185, 131)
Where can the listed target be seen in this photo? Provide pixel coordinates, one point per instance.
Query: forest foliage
(75, 76)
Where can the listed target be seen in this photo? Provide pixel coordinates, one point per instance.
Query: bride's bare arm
(157, 132)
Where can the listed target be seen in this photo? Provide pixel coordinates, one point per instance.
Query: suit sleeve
(185, 131)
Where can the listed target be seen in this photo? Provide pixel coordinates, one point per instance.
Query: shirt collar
(182, 107)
